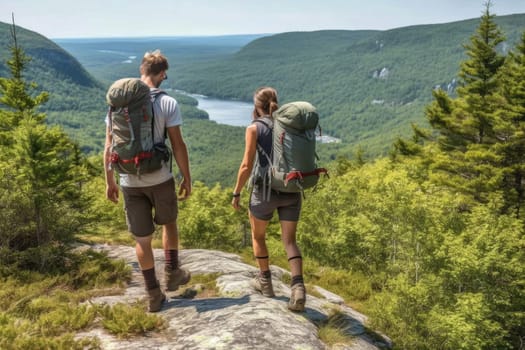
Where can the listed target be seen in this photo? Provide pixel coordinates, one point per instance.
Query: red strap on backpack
(294, 175)
(114, 158)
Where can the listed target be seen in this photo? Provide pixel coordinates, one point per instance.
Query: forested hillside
(59, 73)
(368, 85)
(77, 100)
(427, 242)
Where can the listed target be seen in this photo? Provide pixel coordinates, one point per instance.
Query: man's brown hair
(153, 63)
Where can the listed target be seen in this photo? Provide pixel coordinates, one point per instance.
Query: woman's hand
(236, 202)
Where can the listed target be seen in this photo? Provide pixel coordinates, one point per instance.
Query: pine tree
(15, 98)
(41, 172)
(511, 131)
(461, 149)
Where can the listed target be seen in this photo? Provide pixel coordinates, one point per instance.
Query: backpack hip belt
(299, 175)
(115, 158)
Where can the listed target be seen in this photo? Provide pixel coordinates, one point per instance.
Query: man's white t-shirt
(167, 114)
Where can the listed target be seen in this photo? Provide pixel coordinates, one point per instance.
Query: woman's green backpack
(293, 158)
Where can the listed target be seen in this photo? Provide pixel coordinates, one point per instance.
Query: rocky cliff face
(239, 317)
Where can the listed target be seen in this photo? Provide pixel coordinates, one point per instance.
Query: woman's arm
(246, 166)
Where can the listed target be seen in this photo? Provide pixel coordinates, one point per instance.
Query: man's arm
(111, 185)
(180, 153)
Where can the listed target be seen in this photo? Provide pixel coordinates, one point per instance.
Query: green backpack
(293, 160)
(131, 121)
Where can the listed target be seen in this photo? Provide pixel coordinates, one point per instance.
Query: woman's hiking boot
(155, 299)
(297, 297)
(263, 285)
(176, 278)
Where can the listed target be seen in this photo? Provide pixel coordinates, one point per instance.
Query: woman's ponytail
(265, 99)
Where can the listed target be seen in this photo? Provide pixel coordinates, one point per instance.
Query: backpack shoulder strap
(264, 121)
(154, 95)
(268, 123)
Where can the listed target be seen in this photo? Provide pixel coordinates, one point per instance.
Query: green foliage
(204, 284)
(421, 254)
(338, 71)
(208, 221)
(43, 311)
(429, 243)
(67, 318)
(381, 213)
(476, 146)
(511, 128)
(339, 280)
(126, 320)
(41, 172)
(334, 330)
(473, 302)
(215, 151)
(17, 335)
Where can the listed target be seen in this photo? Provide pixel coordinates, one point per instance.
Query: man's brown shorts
(288, 205)
(145, 206)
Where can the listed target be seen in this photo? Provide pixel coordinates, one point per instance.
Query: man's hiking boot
(263, 285)
(155, 299)
(176, 278)
(297, 298)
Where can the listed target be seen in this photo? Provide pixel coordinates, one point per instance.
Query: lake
(236, 113)
(228, 112)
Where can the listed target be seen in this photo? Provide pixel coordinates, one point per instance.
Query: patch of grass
(334, 330)
(106, 234)
(66, 318)
(202, 286)
(247, 256)
(208, 279)
(44, 311)
(353, 287)
(21, 334)
(124, 320)
(310, 290)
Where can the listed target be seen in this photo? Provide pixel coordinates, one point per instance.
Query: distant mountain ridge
(70, 85)
(368, 85)
(46, 55)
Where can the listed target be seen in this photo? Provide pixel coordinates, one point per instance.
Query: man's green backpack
(293, 160)
(131, 121)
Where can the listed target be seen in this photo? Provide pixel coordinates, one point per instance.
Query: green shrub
(124, 320)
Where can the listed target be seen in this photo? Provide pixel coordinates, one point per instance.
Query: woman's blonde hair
(153, 63)
(265, 99)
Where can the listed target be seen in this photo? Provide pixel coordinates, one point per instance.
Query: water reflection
(237, 113)
(228, 112)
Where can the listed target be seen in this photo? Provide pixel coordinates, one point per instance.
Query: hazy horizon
(61, 19)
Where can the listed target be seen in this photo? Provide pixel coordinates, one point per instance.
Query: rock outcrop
(240, 317)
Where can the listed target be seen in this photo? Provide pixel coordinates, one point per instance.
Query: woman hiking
(258, 140)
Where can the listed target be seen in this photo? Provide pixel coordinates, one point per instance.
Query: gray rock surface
(239, 318)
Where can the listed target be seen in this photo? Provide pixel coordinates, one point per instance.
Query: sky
(58, 19)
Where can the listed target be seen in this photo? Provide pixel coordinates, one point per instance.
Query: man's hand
(184, 190)
(112, 192)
